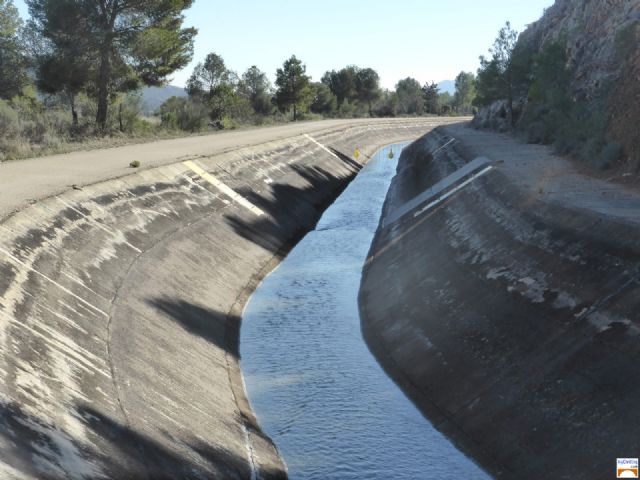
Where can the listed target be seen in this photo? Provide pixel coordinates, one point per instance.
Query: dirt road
(25, 180)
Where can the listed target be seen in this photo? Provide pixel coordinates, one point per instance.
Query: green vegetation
(550, 114)
(503, 75)
(293, 91)
(465, 92)
(114, 46)
(12, 59)
(71, 77)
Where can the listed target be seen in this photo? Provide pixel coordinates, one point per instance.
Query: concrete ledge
(120, 310)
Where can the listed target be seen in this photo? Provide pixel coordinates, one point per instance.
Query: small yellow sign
(356, 154)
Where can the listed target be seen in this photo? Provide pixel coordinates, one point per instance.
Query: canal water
(316, 389)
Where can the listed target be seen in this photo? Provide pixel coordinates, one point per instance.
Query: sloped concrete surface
(120, 306)
(509, 312)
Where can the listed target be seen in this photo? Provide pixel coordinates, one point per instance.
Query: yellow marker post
(356, 154)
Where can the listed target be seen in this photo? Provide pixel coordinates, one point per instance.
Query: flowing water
(315, 387)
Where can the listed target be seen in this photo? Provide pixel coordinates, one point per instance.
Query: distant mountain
(447, 86)
(153, 97)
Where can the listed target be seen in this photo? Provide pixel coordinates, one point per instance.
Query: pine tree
(293, 86)
(129, 42)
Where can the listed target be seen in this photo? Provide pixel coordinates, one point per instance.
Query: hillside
(153, 97)
(448, 86)
(600, 41)
(603, 57)
(594, 32)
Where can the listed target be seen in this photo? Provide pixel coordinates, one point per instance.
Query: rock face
(592, 30)
(495, 116)
(602, 39)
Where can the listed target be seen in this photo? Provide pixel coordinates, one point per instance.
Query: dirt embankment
(120, 304)
(509, 312)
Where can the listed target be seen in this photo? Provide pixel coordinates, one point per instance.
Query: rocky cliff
(602, 41)
(598, 36)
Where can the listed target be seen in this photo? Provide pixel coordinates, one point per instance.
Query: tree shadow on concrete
(197, 460)
(346, 159)
(211, 325)
(223, 331)
(38, 448)
(291, 210)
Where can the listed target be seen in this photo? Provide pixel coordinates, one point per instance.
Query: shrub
(9, 121)
(11, 148)
(227, 123)
(51, 142)
(129, 110)
(553, 117)
(611, 153)
(189, 115)
(134, 164)
(347, 110)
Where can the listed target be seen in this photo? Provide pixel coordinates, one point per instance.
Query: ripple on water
(314, 385)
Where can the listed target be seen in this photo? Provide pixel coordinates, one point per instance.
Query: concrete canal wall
(508, 310)
(120, 304)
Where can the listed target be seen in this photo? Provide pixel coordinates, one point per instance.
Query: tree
(431, 93)
(465, 91)
(387, 104)
(130, 42)
(367, 87)
(323, 100)
(255, 86)
(226, 105)
(217, 87)
(293, 86)
(62, 72)
(499, 77)
(551, 78)
(410, 97)
(12, 60)
(63, 65)
(207, 76)
(445, 103)
(184, 113)
(342, 83)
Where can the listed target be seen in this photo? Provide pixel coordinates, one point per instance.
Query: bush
(611, 153)
(347, 110)
(129, 110)
(9, 121)
(227, 123)
(553, 117)
(51, 142)
(12, 148)
(189, 115)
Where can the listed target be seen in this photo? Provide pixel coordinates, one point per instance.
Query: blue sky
(425, 39)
